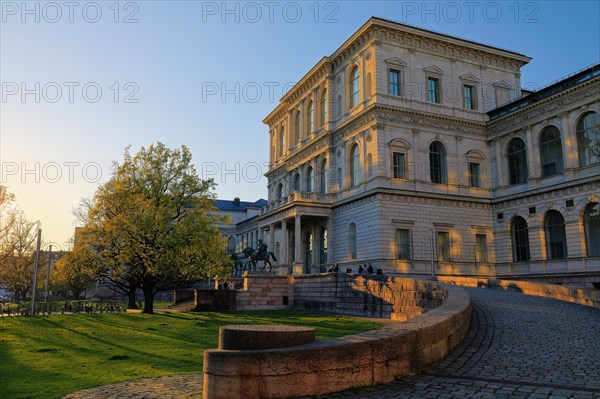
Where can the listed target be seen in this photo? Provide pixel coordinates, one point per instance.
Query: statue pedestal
(259, 273)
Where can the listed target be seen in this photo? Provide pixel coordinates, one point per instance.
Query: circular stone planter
(263, 336)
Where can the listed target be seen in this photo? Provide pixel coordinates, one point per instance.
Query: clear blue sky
(162, 75)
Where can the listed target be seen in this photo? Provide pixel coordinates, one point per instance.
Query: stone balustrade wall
(327, 366)
(583, 296)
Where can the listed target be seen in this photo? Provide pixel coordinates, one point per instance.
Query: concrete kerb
(328, 366)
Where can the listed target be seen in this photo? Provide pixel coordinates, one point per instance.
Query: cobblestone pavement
(519, 346)
(171, 387)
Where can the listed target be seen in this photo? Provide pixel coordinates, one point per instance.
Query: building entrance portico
(300, 236)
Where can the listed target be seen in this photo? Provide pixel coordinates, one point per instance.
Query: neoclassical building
(416, 151)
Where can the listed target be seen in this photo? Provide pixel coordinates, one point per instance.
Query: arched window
(354, 87)
(591, 225)
(354, 166)
(309, 179)
(297, 182)
(323, 246)
(231, 243)
(281, 142)
(310, 118)
(323, 108)
(556, 238)
(352, 240)
(551, 151)
(297, 127)
(279, 191)
(437, 163)
(324, 177)
(517, 161)
(588, 139)
(520, 239)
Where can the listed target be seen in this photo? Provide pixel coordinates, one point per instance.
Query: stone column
(569, 143)
(533, 167)
(329, 239)
(298, 246)
(284, 261)
(272, 237)
(316, 234)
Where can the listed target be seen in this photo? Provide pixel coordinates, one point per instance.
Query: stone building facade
(415, 151)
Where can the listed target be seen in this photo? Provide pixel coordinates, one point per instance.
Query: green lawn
(48, 357)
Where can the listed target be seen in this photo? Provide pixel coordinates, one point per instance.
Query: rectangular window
(443, 246)
(469, 96)
(394, 77)
(403, 244)
(433, 90)
(399, 166)
(474, 174)
(481, 249)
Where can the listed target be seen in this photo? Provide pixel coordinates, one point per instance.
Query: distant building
(407, 147)
(242, 230)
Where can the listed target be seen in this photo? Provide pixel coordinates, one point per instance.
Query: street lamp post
(48, 274)
(35, 270)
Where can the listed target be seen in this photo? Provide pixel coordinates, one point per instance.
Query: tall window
(469, 96)
(588, 139)
(310, 118)
(231, 244)
(281, 142)
(323, 246)
(551, 151)
(323, 108)
(403, 244)
(556, 238)
(443, 246)
(474, 174)
(309, 179)
(481, 248)
(354, 166)
(437, 163)
(394, 88)
(324, 177)
(279, 191)
(517, 161)
(354, 87)
(398, 165)
(352, 240)
(297, 182)
(591, 225)
(520, 239)
(433, 90)
(297, 127)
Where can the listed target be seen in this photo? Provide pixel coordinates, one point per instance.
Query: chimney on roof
(236, 201)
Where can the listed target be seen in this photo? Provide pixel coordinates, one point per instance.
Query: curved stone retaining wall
(583, 296)
(328, 366)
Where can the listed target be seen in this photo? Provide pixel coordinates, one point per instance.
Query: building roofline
(571, 80)
(378, 21)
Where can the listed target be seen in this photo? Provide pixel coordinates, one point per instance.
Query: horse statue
(261, 254)
(238, 264)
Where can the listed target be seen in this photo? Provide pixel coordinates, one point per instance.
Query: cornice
(449, 49)
(412, 119)
(550, 105)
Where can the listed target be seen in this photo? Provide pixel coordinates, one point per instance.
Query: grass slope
(48, 357)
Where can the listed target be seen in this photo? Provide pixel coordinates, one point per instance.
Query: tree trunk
(148, 301)
(131, 294)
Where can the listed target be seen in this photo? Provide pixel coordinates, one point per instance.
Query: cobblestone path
(519, 346)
